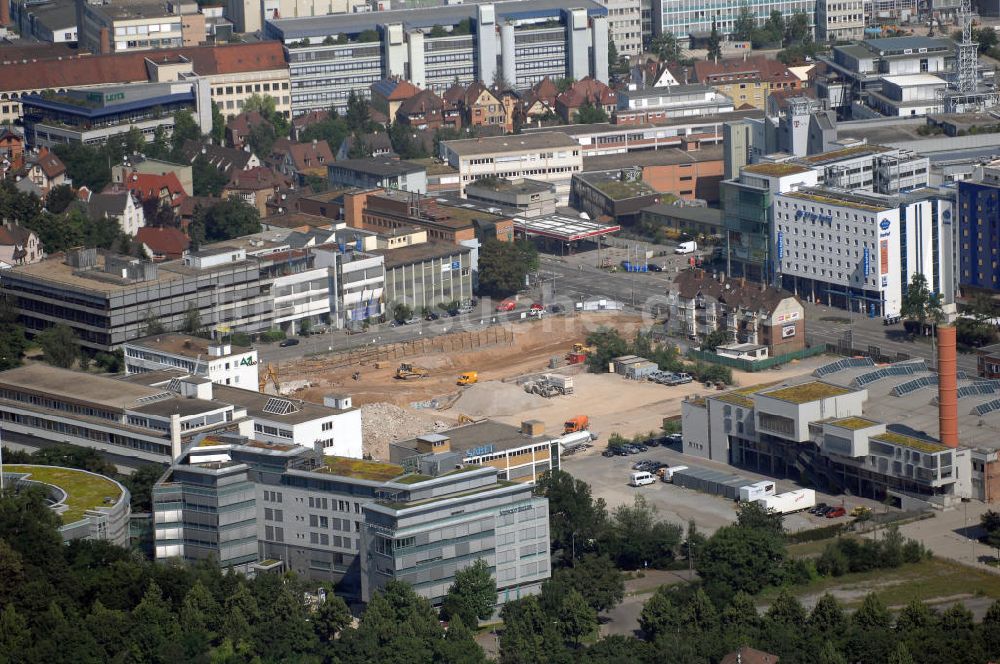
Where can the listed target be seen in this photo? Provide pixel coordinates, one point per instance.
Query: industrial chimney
(947, 386)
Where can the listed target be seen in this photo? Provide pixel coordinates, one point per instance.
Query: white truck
(688, 247)
(667, 474)
(790, 502)
(549, 385)
(756, 491)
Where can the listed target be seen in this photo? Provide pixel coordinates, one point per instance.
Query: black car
(608, 453)
(819, 507)
(653, 267)
(641, 447)
(289, 342)
(825, 510)
(653, 442)
(431, 316)
(555, 308)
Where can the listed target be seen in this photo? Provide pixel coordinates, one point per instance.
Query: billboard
(787, 331)
(883, 250)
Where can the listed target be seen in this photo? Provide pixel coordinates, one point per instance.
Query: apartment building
(351, 522)
(220, 362)
(330, 56)
(858, 251)
(234, 72)
(695, 18)
(746, 80)
(978, 236)
(545, 156)
(625, 25)
(378, 173)
(840, 20)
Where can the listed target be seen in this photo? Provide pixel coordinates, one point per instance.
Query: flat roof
(423, 17)
(829, 197)
(741, 396)
(186, 345)
(612, 185)
(255, 402)
(775, 169)
(853, 423)
(837, 155)
(914, 80)
(892, 45)
(378, 166)
(76, 386)
(513, 143)
(806, 392)
(905, 440)
(562, 227)
(360, 469)
(704, 215)
(478, 434)
(84, 490)
(417, 253)
(659, 157)
(505, 185)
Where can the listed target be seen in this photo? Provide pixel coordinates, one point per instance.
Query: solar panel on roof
(277, 406)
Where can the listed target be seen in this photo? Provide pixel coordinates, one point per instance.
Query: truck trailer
(756, 491)
(790, 502)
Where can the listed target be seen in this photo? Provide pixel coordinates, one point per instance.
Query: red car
(506, 305)
(836, 512)
(537, 307)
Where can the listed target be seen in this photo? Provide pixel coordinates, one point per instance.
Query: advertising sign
(787, 331)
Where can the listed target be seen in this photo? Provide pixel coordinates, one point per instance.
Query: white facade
(358, 284)
(220, 364)
(336, 434)
(301, 296)
(910, 95)
(625, 25)
(840, 20)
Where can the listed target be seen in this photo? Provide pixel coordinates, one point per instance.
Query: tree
(596, 578)
(714, 43)
(153, 324)
(472, 595)
(266, 105)
(85, 165)
(227, 219)
(185, 128)
(715, 339)
(358, 118)
(59, 344)
(192, 320)
(986, 37)
(59, 198)
(576, 519)
(638, 539)
(140, 486)
(155, 636)
(872, 614)
(12, 340)
(614, 60)
(437, 31)
(740, 559)
(920, 304)
(590, 114)
(576, 617)
(503, 266)
(218, 124)
(745, 24)
(660, 614)
(207, 179)
(666, 47)
(261, 139)
(529, 634)
(402, 312)
(500, 82)
(797, 29)
(755, 516)
(331, 618)
(901, 655)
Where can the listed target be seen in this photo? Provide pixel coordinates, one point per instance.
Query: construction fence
(752, 366)
(367, 355)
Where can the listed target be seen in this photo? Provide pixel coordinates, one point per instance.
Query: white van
(641, 478)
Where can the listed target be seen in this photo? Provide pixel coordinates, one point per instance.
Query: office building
(220, 362)
(544, 156)
(625, 25)
(351, 522)
(840, 20)
(96, 115)
(378, 173)
(522, 197)
(117, 26)
(692, 172)
(427, 274)
(250, 16)
(695, 18)
(858, 251)
(978, 236)
(89, 506)
(329, 56)
(679, 101)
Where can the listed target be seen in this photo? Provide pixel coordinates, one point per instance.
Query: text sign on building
(867, 262)
(787, 331)
(480, 451)
(781, 245)
(883, 249)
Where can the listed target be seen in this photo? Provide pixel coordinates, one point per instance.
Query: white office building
(222, 363)
(625, 25)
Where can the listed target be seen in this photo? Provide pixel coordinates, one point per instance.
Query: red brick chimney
(4, 13)
(947, 386)
(105, 46)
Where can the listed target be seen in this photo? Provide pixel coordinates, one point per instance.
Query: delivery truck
(790, 502)
(686, 247)
(756, 491)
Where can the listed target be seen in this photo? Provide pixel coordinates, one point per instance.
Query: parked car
(555, 308)
(431, 316)
(653, 267)
(836, 512)
(860, 510)
(819, 508)
(289, 342)
(891, 320)
(506, 305)
(640, 447)
(608, 453)
(826, 510)
(653, 442)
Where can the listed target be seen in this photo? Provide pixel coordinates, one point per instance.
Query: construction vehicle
(468, 378)
(580, 347)
(408, 371)
(269, 381)
(574, 424)
(549, 385)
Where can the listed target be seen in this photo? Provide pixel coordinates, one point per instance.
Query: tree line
(608, 344)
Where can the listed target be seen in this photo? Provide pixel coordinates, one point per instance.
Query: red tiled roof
(399, 90)
(165, 240)
(300, 152)
(545, 91)
(310, 118)
(473, 91)
(747, 655)
(454, 94)
(131, 67)
(422, 102)
(10, 53)
(50, 164)
(735, 69)
(11, 235)
(256, 179)
(588, 89)
(244, 122)
(150, 187)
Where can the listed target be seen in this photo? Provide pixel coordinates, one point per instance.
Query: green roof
(741, 396)
(853, 423)
(840, 202)
(903, 440)
(413, 478)
(84, 491)
(361, 469)
(806, 392)
(618, 189)
(776, 170)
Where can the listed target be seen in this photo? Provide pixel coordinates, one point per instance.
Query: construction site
(512, 373)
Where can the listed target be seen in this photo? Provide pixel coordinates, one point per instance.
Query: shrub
(273, 335)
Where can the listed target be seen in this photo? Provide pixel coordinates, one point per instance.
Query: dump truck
(790, 502)
(578, 423)
(408, 371)
(549, 385)
(468, 378)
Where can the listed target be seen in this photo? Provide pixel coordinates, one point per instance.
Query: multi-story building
(329, 56)
(425, 275)
(840, 20)
(52, 23)
(545, 156)
(234, 73)
(250, 16)
(673, 102)
(858, 251)
(392, 211)
(978, 236)
(220, 362)
(746, 80)
(354, 523)
(90, 506)
(695, 18)
(521, 196)
(116, 26)
(378, 173)
(94, 116)
(692, 172)
(866, 167)
(619, 194)
(625, 25)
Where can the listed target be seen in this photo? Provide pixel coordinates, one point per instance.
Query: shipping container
(792, 501)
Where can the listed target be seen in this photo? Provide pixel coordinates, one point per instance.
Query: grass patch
(84, 491)
(924, 581)
(414, 478)
(835, 319)
(361, 469)
(808, 549)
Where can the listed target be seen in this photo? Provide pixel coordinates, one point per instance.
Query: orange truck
(578, 423)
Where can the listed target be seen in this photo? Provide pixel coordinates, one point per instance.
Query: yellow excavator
(408, 371)
(269, 380)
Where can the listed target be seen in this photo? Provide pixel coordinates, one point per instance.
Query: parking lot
(609, 477)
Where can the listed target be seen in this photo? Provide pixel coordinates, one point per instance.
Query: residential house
(11, 152)
(46, 170)
(586, 91)
(163, 243)
(373, 145)
(388, 94)
(747, 81)
(18, 246)
(121, 206)
(748, 655)
(258, 187)
(452, 101)
(302, 160)
(483, 108)
(225, 159)
(239, 127)
(153, 191)
(424, 110)
(540, 101)
(302, 122)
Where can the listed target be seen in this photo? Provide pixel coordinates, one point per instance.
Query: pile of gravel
(494, 398)
(384, 423)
